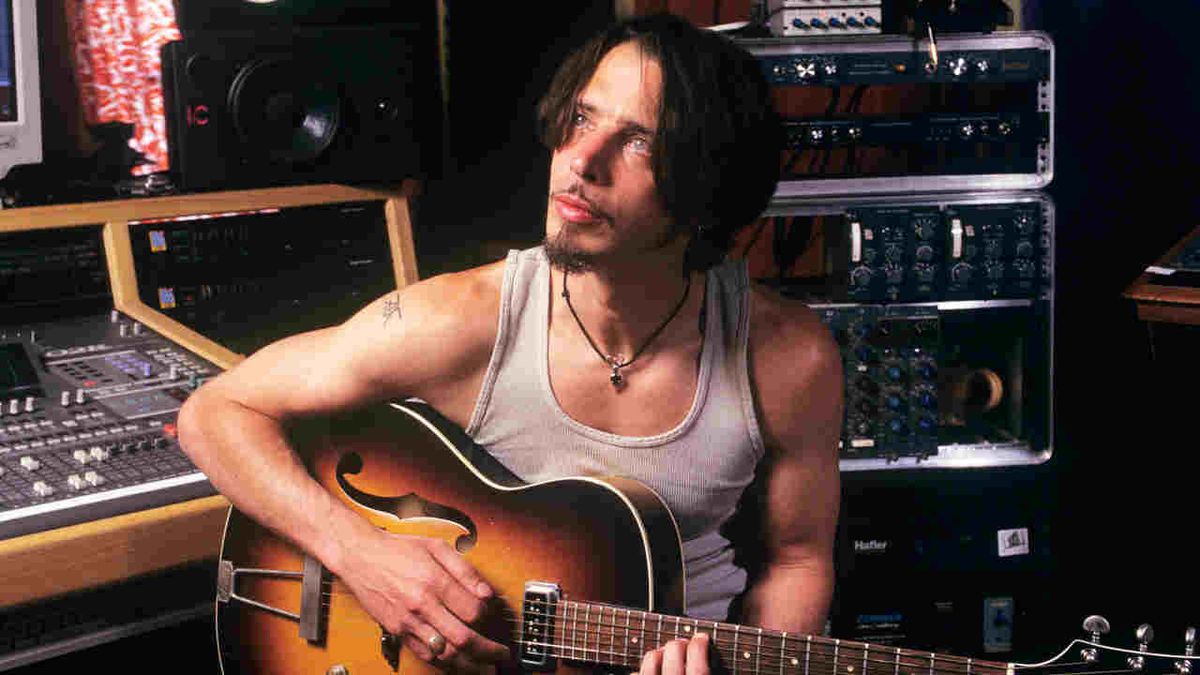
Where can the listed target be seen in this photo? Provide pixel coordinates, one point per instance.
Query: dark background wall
(1126, 166)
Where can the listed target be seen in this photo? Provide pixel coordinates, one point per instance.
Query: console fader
(87, 421)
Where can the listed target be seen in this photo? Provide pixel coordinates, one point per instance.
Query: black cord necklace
(615, 362)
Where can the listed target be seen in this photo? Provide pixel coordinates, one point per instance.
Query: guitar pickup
(539, 609)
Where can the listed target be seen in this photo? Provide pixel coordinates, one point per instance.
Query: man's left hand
(678, 657)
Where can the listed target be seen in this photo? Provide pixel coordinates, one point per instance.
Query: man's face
(603, 199)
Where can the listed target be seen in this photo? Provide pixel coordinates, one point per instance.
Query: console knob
(898, 427)
(927, 424)
(961, 273)
(861, 277)
(924, 253)
(1024, 249)
(927, 400)
(958, 66)
(1023, 223)
(866, 385)
(894, 403)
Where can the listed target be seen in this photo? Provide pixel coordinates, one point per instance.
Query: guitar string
(925, 659)
(818, 655)
(582, 653)
(815, 659)
(819, 647)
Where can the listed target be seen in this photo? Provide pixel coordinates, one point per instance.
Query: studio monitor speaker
(359, 104)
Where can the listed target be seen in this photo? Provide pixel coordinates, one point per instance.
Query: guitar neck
(604, 634)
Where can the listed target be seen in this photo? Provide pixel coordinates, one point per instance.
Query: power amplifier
(886, 114)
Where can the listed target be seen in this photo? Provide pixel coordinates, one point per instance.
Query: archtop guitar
(588, 572)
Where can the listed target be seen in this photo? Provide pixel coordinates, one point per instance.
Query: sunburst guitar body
(408, 470)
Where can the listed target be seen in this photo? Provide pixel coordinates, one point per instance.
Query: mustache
(576, 190)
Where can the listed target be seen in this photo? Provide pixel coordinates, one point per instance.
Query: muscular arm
(801, 417)
(408, 343)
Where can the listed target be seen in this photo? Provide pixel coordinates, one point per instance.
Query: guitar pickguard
(405, 507)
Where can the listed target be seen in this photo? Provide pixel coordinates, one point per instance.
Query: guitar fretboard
(604, 634)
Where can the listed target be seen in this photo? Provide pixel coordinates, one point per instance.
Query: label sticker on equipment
(158, 241)
(166, 298)
(1013, 542)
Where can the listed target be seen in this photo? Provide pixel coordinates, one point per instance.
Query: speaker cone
(282, 110)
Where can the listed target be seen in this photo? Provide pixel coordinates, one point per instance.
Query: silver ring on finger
(436, 644)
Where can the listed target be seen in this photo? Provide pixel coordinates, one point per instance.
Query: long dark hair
(716, 154)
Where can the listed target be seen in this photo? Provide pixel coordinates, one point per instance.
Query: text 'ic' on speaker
(346, 105)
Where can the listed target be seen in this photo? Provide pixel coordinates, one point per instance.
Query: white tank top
(700, 468)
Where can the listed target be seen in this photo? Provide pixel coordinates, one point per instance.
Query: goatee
(564, 256)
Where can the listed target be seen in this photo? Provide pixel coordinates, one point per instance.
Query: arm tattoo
(391, 307)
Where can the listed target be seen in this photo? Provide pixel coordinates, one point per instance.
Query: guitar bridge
(537, 626)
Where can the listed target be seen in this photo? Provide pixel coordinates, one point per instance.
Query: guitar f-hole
(406, 507)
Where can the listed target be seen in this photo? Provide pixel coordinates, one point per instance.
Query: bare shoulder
(469, 299)
(785, 328)
(795, 366)
(440, 328)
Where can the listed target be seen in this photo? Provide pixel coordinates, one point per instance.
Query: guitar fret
(866, 651)
(586, 612)
(626, 662)
(782, 651)
(658, 633)
(932, 658)
(599, 633)
(968, 666)
(574, 627)
(643, 648)
(807, 653)
(897, 661)
(736, 630)
(836, 645)
(758, 652)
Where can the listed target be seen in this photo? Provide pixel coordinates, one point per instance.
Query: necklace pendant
(616, 378)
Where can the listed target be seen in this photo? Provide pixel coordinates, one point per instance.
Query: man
(618, 347)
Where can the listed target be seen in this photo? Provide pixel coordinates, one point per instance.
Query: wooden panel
(90, 213)
(104, 551)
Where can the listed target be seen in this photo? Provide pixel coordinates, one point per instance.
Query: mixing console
(87, 421)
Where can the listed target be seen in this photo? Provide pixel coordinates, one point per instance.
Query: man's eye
(639, 144)
(579, 120)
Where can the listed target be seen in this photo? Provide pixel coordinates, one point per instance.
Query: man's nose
(590, 156)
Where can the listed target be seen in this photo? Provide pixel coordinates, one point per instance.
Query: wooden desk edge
(76, 557)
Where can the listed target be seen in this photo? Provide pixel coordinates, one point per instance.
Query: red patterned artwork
(117, 66)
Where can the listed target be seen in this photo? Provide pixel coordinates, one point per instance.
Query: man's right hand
(420, 588)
